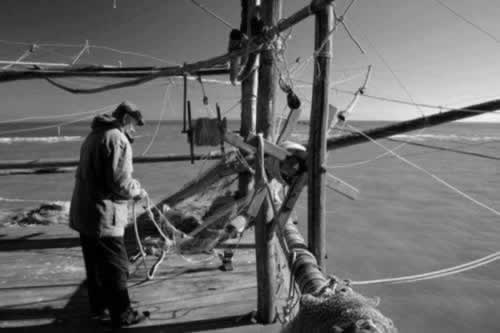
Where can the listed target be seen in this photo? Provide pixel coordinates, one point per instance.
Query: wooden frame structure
(257, 117)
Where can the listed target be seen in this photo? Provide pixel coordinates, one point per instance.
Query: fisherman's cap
(127, 107)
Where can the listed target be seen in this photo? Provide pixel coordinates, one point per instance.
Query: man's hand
(142, 195)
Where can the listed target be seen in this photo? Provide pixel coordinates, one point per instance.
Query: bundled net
(339, 310)
(47, 213)
(207, 131)
(182, 227)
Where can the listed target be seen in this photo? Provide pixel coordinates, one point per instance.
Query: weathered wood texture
(316, 220)
(248, 93)
(265, 238)
(42, 287)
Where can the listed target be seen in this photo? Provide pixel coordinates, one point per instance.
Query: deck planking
(42, 287)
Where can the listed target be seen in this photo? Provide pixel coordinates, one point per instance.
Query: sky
(419, 51)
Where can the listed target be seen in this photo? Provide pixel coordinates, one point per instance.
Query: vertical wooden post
(317, 136)
(268, 78)
(248, 94)
(184, 128)
(265, 239)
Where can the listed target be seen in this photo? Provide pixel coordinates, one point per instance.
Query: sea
(433, 202)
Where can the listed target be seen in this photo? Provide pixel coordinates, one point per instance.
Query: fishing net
(207, 131)
(47, 213)
(339, 310)
(196, 223)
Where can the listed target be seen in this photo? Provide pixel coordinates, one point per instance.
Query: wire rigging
(93, 112)
(435, 177)
(166, 99)
(469, 22)
(213, 14)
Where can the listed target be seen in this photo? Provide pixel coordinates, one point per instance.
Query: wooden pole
(248, 95)
(73, 162)
(184, 105)
(265, 240)
(414, 124)
(317, 136)
(255, 46)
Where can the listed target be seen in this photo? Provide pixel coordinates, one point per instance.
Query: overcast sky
(419, 50)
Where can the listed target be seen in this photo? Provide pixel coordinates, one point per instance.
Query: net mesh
(183, 221)
(339, 310)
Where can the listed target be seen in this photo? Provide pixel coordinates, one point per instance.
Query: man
(99, 211)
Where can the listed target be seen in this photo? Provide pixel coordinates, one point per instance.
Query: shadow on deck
(42, 287)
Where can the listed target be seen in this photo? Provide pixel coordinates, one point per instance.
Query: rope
(434, 274)
(56, 125)
(213, 14)
(455, 13)
(143, 55)
(152, 271)
(453, 188)
(391, 100)
(157, 129)
(54, 116)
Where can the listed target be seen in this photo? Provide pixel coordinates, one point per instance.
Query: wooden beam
(316, 217)
(250, 146)
(291, 199)
(73, 162)
(255, 46)
(265, 237)
(264, 248)
(412, 125)
(248, 94)
(199, 184)
(289, 126)
(117, 73)
(219, 213)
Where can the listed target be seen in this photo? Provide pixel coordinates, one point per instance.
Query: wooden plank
(270, 148)
(341, 187)
(291, 199)
(222, 211)
(256, 203)
(250, 146)
(332, 120)
(289, 126)
(238, 142)
(189, 293)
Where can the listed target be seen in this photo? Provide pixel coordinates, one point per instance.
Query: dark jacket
(103, 181)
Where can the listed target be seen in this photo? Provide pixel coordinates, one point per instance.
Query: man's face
(129, 124)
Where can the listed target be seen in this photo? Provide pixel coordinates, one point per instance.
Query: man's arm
(119, 170)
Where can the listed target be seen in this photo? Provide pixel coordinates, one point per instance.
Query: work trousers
(106, 265)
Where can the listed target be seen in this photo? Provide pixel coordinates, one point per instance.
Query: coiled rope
(150, 273)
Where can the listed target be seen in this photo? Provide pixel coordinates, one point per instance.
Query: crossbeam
(412, 125)
(73, 162)
(255, 45)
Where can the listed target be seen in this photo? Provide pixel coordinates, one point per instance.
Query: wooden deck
(42, 287)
